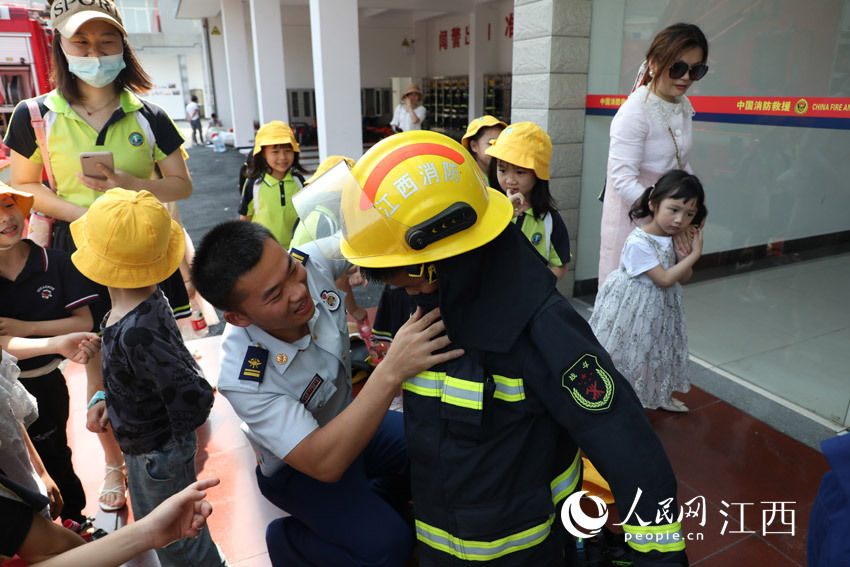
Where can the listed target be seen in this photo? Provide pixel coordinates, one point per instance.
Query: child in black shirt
(154, 392)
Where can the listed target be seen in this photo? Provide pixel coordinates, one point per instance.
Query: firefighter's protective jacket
(494, 436)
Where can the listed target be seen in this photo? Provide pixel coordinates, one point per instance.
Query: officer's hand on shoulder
(414, 346)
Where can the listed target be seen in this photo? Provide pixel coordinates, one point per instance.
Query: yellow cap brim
(23, 200)
(518, 158)
(499, 213)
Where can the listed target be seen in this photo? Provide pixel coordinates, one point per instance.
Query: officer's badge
(589, 384)
(331, 299)
(299, 255)
(136, 139)
(536, 238)
(254, 364)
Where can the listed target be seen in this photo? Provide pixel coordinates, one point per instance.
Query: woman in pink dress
(651, 133)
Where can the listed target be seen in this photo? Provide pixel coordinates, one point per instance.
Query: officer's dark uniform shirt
(494, 435)
(49, 287)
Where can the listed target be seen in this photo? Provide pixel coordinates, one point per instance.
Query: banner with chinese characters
(806, 112)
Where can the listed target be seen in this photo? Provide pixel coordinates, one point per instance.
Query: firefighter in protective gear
(494, 436)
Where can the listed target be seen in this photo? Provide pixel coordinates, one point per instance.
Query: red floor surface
(717, 452)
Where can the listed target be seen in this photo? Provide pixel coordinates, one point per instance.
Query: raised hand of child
(682, 242)
(78, 347)
(696, 245)
(355, 278)
(519, 203)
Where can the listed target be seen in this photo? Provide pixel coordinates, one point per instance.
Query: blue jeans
(349, 522)
(196, 128)
(153, 477)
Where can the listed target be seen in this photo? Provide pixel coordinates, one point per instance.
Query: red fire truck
(25, 40)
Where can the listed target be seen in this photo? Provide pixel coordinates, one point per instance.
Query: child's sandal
(120, 490)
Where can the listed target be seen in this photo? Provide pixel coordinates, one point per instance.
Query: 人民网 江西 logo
(577, 522)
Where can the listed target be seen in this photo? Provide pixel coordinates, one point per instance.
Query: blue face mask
(96, 71)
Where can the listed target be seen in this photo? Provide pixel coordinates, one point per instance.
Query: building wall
(222, 96)
(446, 59)
(381, 53)
(167, 91)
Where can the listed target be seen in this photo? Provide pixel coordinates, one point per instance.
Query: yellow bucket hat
(273, 133)
(481, 122)
(524, 144)
(23, 200)
(127, 239)
(326, 164)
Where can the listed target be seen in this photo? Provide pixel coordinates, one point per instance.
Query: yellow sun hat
(524, 144)
(481, 122)
(274, 133)
(22, 199)
(127, 239)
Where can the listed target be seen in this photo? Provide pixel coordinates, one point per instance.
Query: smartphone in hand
(89, 159)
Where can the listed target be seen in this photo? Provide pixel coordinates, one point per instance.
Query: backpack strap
(38, 128)
(547, 230)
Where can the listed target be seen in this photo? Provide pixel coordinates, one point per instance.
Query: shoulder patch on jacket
(299, 255)
(254, 365)
(590, 386)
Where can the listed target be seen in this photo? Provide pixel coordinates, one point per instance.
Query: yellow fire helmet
(414, 197)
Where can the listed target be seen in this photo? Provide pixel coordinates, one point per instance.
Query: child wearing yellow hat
(43, 296)
(274, 176)
(155, 394)
(521, 170)
(480, 134)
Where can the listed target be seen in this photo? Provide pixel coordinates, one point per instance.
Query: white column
(336, 75)
(420, 50)
(477, 47)
(267, 35)
(239, 83)
(549, 86)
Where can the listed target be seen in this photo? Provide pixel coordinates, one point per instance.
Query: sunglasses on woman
(695, 73)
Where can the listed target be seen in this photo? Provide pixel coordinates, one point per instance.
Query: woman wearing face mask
(95, 108)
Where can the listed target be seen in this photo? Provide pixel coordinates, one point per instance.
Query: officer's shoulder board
(299, 255)
(254, 365)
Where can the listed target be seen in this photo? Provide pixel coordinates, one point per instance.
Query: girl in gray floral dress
(638, 315)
